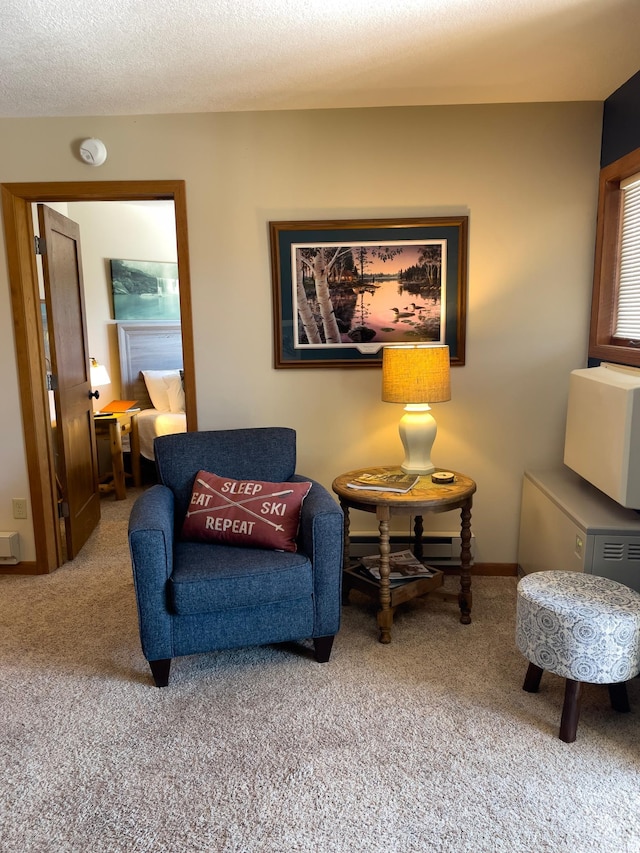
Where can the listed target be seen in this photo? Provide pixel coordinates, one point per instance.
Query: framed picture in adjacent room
(145, 290)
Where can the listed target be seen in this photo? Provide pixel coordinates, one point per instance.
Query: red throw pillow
(249, 513)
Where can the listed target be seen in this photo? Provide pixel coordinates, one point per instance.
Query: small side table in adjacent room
(425, 496)
(114, 426)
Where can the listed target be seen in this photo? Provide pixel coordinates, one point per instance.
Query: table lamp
(416, 375)
(98, 374)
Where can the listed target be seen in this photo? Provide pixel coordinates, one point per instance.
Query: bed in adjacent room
(151, 372)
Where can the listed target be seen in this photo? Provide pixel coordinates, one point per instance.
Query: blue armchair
(195, 596)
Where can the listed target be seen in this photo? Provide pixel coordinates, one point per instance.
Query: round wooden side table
(425, 496)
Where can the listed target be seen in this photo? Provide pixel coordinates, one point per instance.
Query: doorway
(17, 200)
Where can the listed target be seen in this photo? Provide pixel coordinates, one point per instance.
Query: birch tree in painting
(319, 262)
(431, 260)
(304, 309)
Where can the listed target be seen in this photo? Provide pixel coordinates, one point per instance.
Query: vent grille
(616, 557)
(623, 550)
(613, 551)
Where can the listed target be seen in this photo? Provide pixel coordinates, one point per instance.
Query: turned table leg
(464, 598)
(385, 614)
(346, 554)
(418, 530)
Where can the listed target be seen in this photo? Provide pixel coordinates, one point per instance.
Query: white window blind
(628, 308)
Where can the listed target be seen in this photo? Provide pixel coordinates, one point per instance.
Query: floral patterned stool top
(579, 626)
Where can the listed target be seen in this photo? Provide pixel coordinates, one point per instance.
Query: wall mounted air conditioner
(602, 438)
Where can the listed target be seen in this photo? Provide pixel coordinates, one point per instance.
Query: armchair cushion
(246, 513)
(211, 578)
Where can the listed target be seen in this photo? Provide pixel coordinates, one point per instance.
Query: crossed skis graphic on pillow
(240, 504)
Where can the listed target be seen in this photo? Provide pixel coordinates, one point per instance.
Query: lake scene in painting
(369, 294)
(145, 290)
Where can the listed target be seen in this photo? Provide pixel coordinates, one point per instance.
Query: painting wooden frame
(335, 284)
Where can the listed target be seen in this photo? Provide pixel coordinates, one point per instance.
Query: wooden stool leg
(570, 710)
(618, 696)
(532, 678)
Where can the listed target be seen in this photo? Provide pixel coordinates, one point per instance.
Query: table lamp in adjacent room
(416, 375)
(98, 375)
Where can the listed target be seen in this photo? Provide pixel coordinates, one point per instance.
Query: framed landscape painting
(344, 289)
(145, 290)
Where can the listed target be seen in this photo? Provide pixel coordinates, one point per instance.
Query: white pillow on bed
(175, 390)
(165, 389)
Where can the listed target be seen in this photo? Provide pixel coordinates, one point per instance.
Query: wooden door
(75, 434)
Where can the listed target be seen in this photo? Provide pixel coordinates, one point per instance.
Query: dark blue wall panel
(621, 122)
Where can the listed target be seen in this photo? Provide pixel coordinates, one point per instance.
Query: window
(615, 309)
(628, 313)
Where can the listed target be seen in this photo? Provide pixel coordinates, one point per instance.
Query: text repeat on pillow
(250, 513)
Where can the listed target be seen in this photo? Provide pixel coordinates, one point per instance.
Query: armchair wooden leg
(322, 646)
(160, 671)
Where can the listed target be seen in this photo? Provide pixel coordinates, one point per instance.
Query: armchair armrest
(151, 534)
(321, 538)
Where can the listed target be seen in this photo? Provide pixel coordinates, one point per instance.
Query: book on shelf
(385, 482)
(403, 567)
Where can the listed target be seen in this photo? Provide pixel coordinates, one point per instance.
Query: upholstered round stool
(582, 627)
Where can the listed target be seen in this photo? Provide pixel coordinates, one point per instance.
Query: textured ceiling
(125, 57)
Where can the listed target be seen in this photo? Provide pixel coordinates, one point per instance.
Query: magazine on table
(403, 566)
(385, 482)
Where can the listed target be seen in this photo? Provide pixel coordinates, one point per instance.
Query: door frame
(17, 199)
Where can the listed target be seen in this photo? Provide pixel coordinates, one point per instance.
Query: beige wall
(137, 231)
(525, 174)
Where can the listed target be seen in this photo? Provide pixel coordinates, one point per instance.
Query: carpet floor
(426, 744)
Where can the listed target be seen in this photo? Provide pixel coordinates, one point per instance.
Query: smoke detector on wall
(93, 152)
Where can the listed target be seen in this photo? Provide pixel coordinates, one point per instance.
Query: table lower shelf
(352, 579)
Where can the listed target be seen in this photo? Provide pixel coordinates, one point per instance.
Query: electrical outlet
(19, 507)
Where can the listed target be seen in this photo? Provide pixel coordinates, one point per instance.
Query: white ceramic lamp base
(417, 432)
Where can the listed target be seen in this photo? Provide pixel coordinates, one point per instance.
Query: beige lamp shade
(416, 374)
